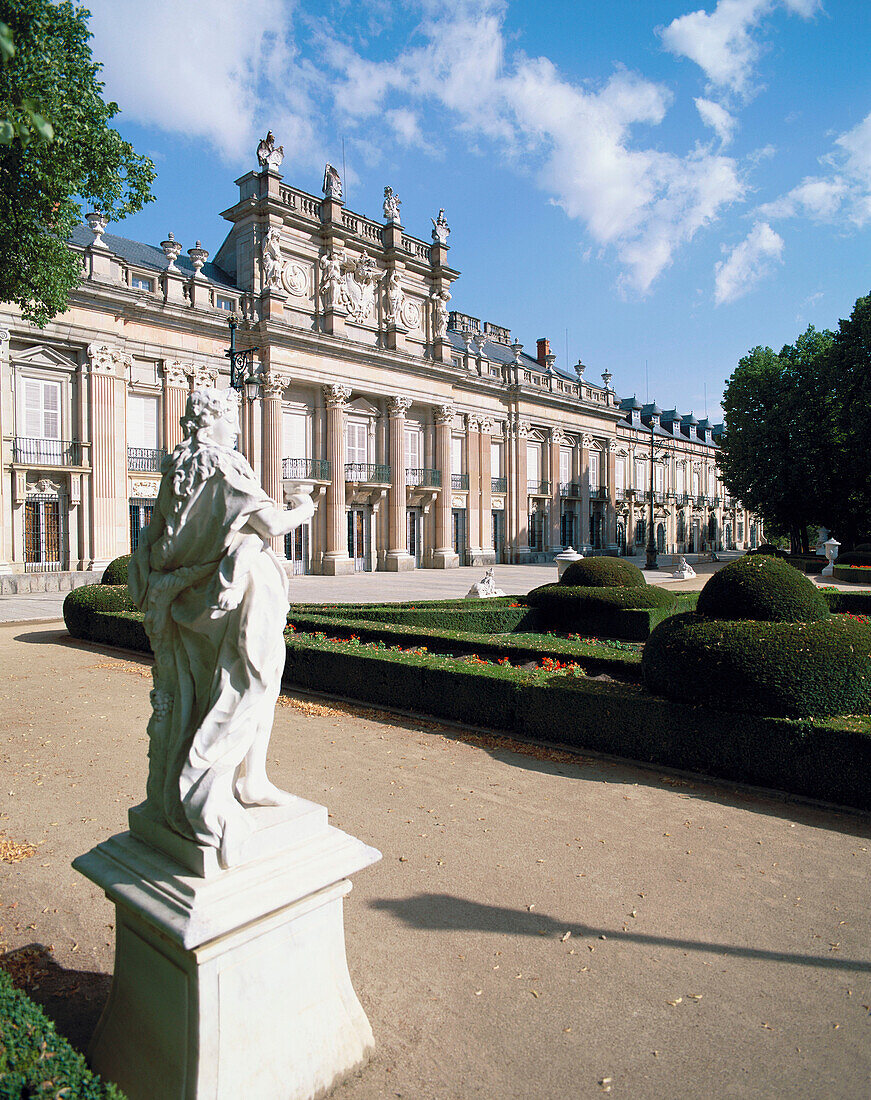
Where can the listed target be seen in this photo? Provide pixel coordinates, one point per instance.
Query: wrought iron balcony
(569, 489)
(47, 452)
(620, 494)
(305, 469)
(144, 459)
(701, 501)
(599, 493)
(715, 501)
(459, 481)
(498, 484)
(423, 478)
(538, 488)
(367, 473)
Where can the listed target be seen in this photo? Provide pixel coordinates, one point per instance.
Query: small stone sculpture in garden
(215, 601)
(684, 570)
(484, 588)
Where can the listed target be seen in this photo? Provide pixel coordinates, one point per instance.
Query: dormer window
(227, 304)
(142, 282)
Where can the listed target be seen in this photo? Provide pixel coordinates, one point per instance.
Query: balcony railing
(620, 494)
(305, 469)
(47, 452)
(459, 481)
(423, 478)
(498, 484)
(701, 501)
(367, 473)
(569, 489)
(143, 460)
(538, 488)
(715, 501)
(599, 493)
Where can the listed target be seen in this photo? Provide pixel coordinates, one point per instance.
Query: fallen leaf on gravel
(533, 992)
(605, 1084)
(565, 936)
(676, 1001)
(694, 996)
(12, 851)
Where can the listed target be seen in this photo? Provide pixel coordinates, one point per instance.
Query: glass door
(357, 541)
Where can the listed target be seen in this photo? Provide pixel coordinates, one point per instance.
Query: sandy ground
(542, 926)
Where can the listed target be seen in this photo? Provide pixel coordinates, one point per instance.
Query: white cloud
(844, 194)
(747, 263)
(722, 43)
(718, 118)
(200, 68)
(406, 125)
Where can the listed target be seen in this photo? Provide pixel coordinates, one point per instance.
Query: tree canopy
(56, 151)
(792, 449)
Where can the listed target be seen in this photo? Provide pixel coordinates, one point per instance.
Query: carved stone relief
(272, 260)
(106, 357)
(358, 288)
(410, 314)
(146, 489)
(336, 395)
(295, 279)
(394, 299)
(176, 372)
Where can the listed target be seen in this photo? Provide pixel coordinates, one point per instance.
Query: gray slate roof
(149, 256)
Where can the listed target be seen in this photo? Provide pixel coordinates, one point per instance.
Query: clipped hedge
(81, 603)
(602, 573)
(848, 603)
(481, 617)
(35, 1060)
(855, 557)
(815, 759)
(116, 571)
(764, 589)
(626, 612)
(782, 669)
(807, 563)
(852, 574)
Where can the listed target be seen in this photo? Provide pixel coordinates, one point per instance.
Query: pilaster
(336, 560)
(272, 390)
(443, 552)
(108, 366)
(586, 444)
(176, 387)
(398, 559)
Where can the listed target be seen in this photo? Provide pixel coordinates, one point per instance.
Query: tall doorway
(458, 524)
(358, 539)
(413, 525)
(499, 535)
(296, 549)
(43, 536)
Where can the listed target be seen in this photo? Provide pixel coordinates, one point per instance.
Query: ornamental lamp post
(240, 362)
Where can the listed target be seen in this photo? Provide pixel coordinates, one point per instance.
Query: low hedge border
(848, 603)
(613, 612)
(818, 759)
(35, 1060)
(853, 574)
(482, 618)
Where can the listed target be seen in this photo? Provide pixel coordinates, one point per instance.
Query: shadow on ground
(72, 999)
(446, 913)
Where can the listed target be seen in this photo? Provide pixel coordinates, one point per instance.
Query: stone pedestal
(230, 983)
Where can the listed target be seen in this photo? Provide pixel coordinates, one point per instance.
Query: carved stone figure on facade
(484, 588)
(440, 228)
(268, 154)
(272, 260)
(358, 288)
(215, 601)
(394, 298)
(332, 187)
(392, 203)
(331, 280)
(440, 316)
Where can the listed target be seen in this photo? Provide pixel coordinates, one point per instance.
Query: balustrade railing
(498, 484)
(459, 481)
(423, 478)
(305, 469)
(144, 459)
(47, 452)
(569, 489)
(367, 473)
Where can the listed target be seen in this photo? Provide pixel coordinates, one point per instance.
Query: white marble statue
(332, 182)
(272, 261)
(394, 298)
(440, 316)
(392, 203)
(270, 155)
(215, 601)
(331, 280)
(484, 588)
(684, 570)
(440, 228)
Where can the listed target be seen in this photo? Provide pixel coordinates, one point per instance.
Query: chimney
(543, 351)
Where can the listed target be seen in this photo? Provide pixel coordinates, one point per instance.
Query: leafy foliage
(116, 571)
(788, 669)
(602, 572)
(42, 180)
(624, 612)
(764, 589)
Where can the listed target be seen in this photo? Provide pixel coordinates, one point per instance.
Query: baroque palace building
(430, 439)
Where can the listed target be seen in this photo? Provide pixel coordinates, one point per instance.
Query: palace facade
(430, 438)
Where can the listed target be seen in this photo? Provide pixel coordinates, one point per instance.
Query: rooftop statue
(215, 601)
(268, 155)
(332, 182)
(440, 228)
(392, 203)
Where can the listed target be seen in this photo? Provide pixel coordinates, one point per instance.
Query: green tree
(774, 449)
(55, 157)
(849, 415)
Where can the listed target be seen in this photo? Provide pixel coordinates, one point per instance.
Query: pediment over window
(361, 407)
(45, 358)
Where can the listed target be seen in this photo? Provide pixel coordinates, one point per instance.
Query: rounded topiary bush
(602, 573)
(763, 589)
(605, 611)
(854, 557)
(81, 604)
(779, 669)
(116, 571)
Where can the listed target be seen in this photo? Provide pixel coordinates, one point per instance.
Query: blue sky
(656, 187)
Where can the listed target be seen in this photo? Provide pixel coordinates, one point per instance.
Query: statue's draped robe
(215, 603)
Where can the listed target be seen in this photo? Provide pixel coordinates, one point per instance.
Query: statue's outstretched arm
(270, 523)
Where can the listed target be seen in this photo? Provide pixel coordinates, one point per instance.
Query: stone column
(398, 558)
(557, 439)
(272, 390)
(584, 479)
(176, 387)
(5, 456)
(473, 505)
(109, 366)
(522, 493)
(487, 552)
(336, 558)
(611, 517)
(443, 553)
